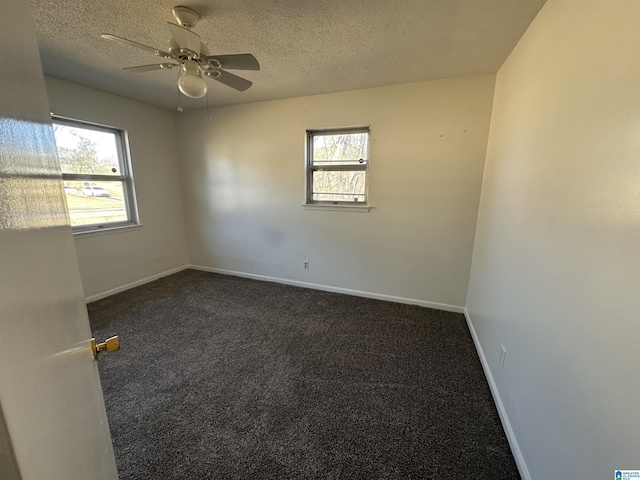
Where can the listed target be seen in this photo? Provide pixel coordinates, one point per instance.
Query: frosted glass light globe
(190, 83)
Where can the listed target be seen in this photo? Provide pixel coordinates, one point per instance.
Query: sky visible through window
(68, 137)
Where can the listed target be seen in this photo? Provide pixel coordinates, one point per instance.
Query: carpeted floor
(222, 377)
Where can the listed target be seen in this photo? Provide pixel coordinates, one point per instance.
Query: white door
(52, 417)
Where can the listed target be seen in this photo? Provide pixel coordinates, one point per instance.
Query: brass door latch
(109, 345)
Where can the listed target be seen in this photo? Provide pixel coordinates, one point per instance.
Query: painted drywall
(555, 275)
(110, 260)
(243, 188)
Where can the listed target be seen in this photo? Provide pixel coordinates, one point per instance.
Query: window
(97, 176)
(336, 167)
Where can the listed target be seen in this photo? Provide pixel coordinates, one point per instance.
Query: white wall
(111, 260)
(555, 275)
(243, 188)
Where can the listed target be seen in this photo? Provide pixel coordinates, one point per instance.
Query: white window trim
(106, 230)
(309, 204)
(126, 178)
(337, 208)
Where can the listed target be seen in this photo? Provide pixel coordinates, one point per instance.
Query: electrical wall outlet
(503, 355)
(306, 264)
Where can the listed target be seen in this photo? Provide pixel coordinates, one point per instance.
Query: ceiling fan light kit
(190, 81)
(193, 57)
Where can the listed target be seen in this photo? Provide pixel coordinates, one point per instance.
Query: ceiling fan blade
(149, 68)
(229, 79)
(204, 50)
(185, 38)
(158, 52)
(243, 61)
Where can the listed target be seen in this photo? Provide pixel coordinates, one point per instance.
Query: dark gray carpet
(228, 378)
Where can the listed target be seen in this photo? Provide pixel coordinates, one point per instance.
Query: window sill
(337, 208)
(105, 230)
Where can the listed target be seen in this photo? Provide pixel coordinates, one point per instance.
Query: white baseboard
(328, 288)
(506, 424)
(137, 283)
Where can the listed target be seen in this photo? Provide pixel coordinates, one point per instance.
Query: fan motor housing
(185, 16)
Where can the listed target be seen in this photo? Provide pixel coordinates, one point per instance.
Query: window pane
(342, 186)
(82, 150)
(93, 203)
(342, 149)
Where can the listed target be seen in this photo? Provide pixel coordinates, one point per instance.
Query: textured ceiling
(304, 47)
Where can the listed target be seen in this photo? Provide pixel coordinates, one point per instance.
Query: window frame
(310, 168)
(125, 177)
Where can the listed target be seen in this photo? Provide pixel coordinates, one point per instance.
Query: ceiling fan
(192, 57)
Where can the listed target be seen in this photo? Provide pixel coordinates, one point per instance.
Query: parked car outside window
(95, 192)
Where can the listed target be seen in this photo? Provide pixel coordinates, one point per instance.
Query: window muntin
(97, 176)
(337, 164)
